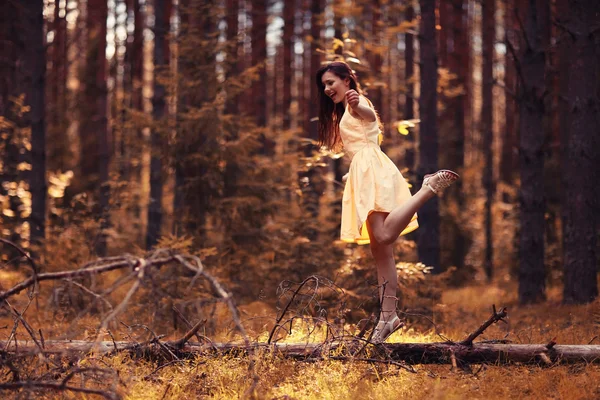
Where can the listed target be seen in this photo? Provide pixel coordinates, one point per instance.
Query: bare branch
(495, 317)
(179, 343)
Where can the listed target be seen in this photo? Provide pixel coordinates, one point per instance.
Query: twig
(277, 322)
(551, 343)
(23, 253)
(495, 317)
(96, 295)
(227, 298)
(200, 338)
(141, 269)
(179, 343)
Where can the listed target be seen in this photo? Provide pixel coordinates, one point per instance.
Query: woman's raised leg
(399, 218)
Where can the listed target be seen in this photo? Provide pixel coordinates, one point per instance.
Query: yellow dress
(374, 182)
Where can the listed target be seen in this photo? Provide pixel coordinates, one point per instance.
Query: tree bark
(507, 158)
(583, 163)
(93, 131)
(35, 68)
(12, 49)
(289, 10)
(488, 38)
(259, 56)
(428, 234)
(162, 15)
(409, 104)
(58, 147)
(532, 274)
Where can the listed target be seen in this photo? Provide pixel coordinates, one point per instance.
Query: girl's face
(335, 87)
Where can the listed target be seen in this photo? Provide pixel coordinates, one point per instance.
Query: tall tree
(35, 70)
(12, 110)
(310, 178)
(259, 56)
(507, 159)
(582, 170)
(454, 235)
(428, 233)
(198, 117)
(488, 39)
(162, 16)
(59, 153)
(531, 66)
(409, 71)
(134, 138)
(316, 25)
(289, 9)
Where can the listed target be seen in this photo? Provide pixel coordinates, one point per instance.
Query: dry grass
(457, 313)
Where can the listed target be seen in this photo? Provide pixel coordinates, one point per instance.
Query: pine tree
(428, 234)
(582, 160)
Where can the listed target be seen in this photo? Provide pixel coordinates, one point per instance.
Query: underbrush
(270, 376)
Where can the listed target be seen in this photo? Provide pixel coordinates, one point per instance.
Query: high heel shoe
(440, 180)
(384, 330)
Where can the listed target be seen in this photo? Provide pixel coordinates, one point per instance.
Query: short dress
(374, 182)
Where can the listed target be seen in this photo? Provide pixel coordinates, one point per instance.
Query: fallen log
(413, 353)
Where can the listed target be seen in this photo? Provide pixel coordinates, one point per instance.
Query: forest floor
(459, 312)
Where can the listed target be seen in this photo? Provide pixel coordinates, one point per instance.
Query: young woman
(377, 205)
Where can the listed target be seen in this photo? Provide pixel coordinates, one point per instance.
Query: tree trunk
(316, 24)
(507, 159)
(582, 164)
(428, 233)
(289, 10)
(376, 60)
(12, 49)
(310, 177)
(58, 146)
(259, 56)
(413, 353)
(136, 142)
(532, 274)
(162, 15)
(488, 38)
(232, 15)
(198, 123)
(409, 104)
(35, 68)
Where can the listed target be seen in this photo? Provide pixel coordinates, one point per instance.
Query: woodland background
(128, 126)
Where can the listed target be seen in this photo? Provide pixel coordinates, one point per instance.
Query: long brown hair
(330, 113)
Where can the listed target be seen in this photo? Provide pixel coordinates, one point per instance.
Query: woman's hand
(352, 98)
(359, 111)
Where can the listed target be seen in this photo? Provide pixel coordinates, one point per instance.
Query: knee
(381, 239)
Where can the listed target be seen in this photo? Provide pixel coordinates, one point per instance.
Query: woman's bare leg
(387, 277)
(387, 230)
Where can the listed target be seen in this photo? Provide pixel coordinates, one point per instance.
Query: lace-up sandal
(440, 180)
(384, 330)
